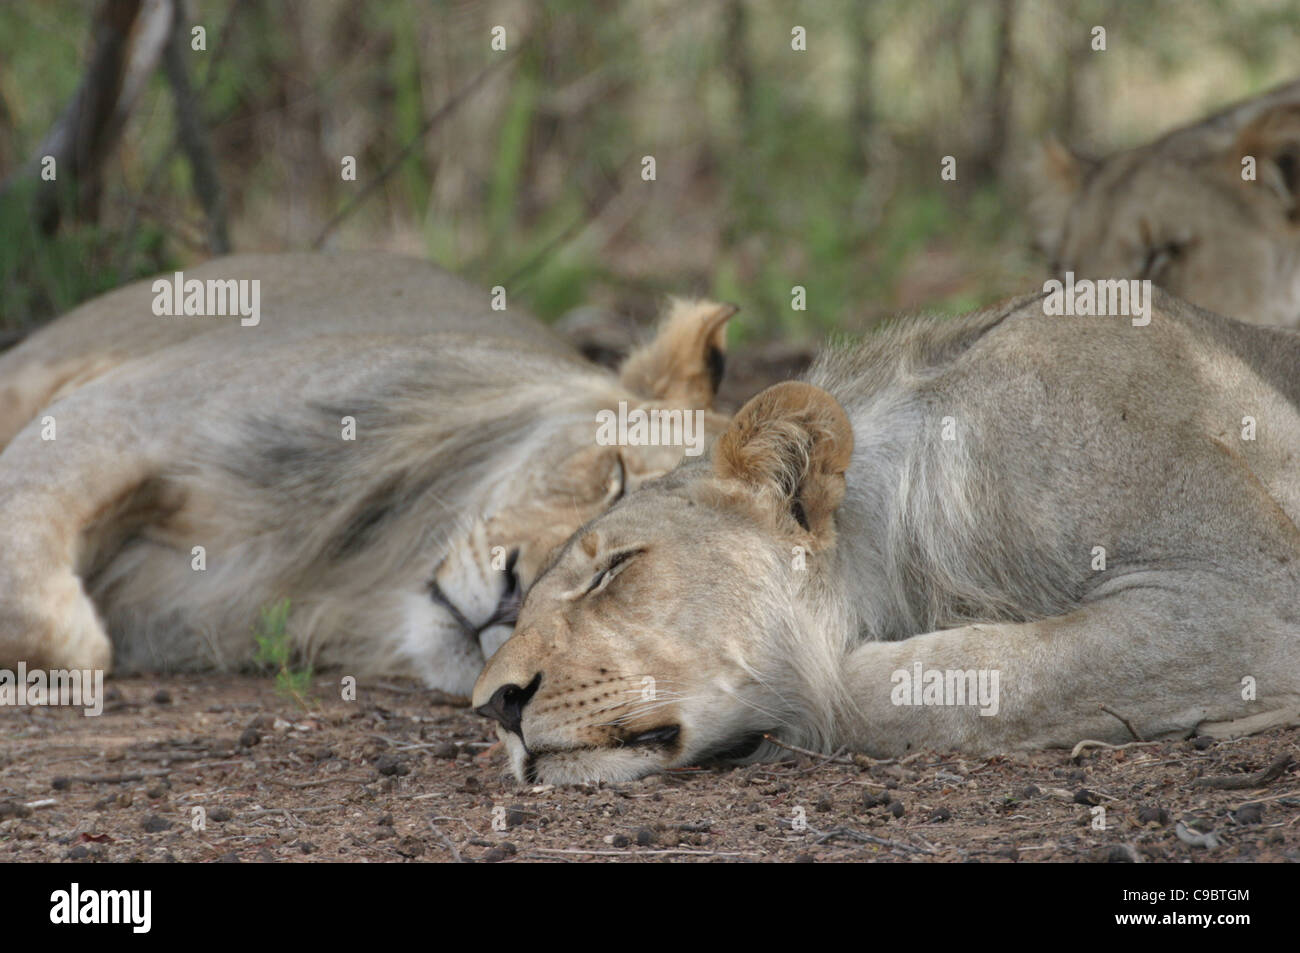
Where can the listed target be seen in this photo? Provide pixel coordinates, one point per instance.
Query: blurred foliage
(275, 654)
(42, 276)
(775, 168)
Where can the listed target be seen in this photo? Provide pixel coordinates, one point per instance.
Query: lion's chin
(579, 765)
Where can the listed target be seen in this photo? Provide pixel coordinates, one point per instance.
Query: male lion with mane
(382, 448)
(1075, 512)
(1209, 211)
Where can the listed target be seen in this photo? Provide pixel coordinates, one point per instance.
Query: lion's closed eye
(612, 568)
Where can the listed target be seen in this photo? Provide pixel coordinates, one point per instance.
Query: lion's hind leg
(1160, 654)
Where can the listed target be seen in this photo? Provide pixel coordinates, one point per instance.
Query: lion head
(675, 628)
(1210, 212)
(570, 471)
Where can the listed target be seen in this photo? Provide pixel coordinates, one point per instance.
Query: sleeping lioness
(1209, 211)
(372, 442)
(1002, 531)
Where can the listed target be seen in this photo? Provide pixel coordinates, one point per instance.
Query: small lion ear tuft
(717, 367)
(684, 363)
(792, 445)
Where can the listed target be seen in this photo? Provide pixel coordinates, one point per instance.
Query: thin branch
(646, 853)
(1124, 721)
(127, 244)
(1237, 782)
(126, 46)
(438, 116)
(447, 842)
(821, 756)
(848, 833)
(192, 135)
(1255, 800)
(320, 783)
(1087, 743)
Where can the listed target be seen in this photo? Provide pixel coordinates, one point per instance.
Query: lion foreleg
(51, 492)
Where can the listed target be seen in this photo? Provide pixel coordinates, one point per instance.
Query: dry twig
(1237, 782)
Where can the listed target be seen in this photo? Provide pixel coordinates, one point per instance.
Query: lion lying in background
(1210, 211)
(987, 533)
(375, 443)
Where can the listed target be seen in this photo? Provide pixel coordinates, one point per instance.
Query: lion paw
(59, 629)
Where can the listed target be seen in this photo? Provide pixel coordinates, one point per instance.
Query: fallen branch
(315, 784)
(1237, 782)
(850, 834)
(646, 853)
(65, 780)
(276, 812)
(856, 760)
(1087, 743)
(819, 755)
(1260, 800)
(455, 854)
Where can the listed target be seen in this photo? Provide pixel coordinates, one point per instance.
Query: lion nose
(507, 704)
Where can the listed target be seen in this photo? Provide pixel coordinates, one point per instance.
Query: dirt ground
(400, 775)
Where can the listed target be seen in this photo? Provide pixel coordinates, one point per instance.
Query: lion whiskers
(662, 697)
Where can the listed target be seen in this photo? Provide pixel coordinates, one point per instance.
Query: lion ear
(683, 364)
(792, 443)
(1055, 177)
(1273, 140)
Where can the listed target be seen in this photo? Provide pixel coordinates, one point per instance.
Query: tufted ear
(792, 443)
(1273, 139)
(1055, 177)
(683, 364)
